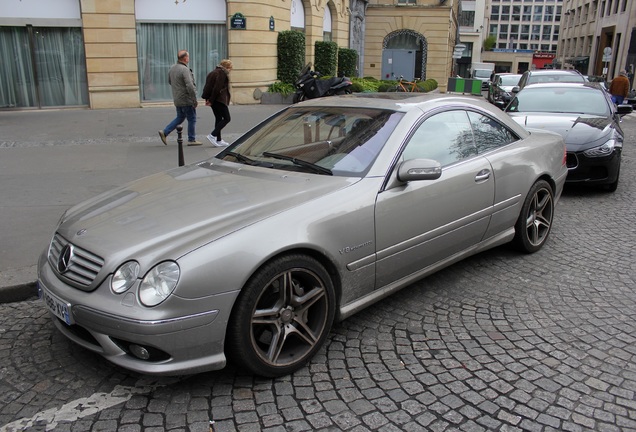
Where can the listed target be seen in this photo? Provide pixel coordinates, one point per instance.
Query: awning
(579, 60)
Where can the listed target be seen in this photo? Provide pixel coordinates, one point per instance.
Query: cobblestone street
(499, 342)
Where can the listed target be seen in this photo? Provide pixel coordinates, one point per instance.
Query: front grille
(82, 266)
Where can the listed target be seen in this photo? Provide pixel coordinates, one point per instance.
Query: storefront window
(158, 44)
(42, 67)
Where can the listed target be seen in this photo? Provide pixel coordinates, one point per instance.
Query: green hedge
(291, 55)
(326, 58)
(347, 62)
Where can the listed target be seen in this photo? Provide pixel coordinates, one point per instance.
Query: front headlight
(124, 277)
(600, 151)
(159, 283)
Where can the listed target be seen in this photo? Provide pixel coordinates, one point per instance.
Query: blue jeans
(618, 100)
(184, 112)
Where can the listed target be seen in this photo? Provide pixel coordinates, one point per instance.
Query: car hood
(579, 132)
(169, 214)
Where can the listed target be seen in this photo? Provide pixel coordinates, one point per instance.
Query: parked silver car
(323, 209)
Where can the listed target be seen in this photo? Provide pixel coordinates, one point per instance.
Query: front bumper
(593, 171)
(114, 326)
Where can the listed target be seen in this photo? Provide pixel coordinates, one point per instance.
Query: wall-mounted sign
(272, 27)
(238, 22)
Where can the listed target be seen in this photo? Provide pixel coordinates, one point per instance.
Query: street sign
(607, 54)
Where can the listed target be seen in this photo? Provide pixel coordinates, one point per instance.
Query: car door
(423, 222)
(499, 145)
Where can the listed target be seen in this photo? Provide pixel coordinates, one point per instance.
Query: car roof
(554, 72)
(586, 84)
(406, 102)
(398, 101)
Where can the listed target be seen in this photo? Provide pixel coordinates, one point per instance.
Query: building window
(55, 55)
(494, 13)
(527, 13)
(538, 12)
(545, 34)
(503, 31)
(514, 31)
(525, 32)
(505, 13)
(467, 18)
(516, 13)
(549, 14)
(157, 46)
(403, 2)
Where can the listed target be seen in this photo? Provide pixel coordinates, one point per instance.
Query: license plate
(57, 306)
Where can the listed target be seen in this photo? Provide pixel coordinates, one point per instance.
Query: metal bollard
(180, 145)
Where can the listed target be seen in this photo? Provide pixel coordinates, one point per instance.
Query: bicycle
(407, 86)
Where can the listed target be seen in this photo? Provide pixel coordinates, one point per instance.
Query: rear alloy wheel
(535, 220)
(282, 316)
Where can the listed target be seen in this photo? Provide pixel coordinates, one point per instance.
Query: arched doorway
(404, 53)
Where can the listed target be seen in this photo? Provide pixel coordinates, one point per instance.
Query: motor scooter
(310, 86)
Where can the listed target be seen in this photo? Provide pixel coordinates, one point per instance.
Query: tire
(298, 97)
(535, 220)
(282, 316)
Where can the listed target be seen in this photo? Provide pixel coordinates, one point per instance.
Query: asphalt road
(53, 159)
(501, 341)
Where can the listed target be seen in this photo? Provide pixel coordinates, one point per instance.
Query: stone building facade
(116, 53)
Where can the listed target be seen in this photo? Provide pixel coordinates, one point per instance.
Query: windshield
(510, 80)
(335, 141)
(482, 73)
(560, 100)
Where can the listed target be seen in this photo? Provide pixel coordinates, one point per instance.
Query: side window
(446, 137)
(489, 133)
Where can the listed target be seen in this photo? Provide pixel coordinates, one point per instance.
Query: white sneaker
(212, 140)
(222, 143)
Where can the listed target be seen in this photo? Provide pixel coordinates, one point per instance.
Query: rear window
(560, 100)
(548, 78)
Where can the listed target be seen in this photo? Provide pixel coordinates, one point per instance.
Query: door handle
(482, 175)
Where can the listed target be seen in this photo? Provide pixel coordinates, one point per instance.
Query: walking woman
(217, 95)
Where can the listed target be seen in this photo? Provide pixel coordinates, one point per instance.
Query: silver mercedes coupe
(316, 213)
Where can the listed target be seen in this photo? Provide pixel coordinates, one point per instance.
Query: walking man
(619, 88)
(184, 94)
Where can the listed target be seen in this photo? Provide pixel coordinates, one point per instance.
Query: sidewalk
(53, 159)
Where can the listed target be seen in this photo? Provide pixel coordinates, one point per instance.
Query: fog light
(139, 352)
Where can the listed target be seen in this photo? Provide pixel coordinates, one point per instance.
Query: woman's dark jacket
(217, 86)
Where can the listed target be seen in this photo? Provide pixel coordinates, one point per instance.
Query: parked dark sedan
(500, 88)
(584, 115)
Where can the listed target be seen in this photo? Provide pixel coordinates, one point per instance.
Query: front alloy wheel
(282, 316)
(535, 221)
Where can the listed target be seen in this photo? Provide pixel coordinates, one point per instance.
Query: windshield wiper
(319, 169)
(242, 158)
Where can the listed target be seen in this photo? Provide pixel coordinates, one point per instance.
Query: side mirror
(624, 109)
(515, 89)
(419, 169)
